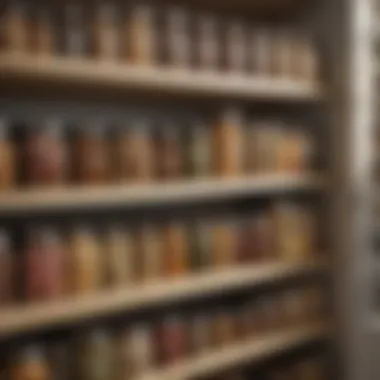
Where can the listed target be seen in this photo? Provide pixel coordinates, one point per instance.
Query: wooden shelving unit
(23, 319)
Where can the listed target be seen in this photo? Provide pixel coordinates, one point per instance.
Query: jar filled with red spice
(91, 159)
(7, 158)
(44, 264)
(235, 46)
(7, 265)
(74, 39)
(45, 156)
(43, 38)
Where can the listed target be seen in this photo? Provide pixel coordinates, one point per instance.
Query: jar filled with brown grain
(7, 158)
(44, 264)
(176, 38)
(227, 144)
(169, 157)
(74, 25)
(207, 43)
(260, 52)
(134, 153)
(85, 271)
(29, 363)
(175, 249)
(14, 28)
(140, 35)
(43, 33)
(223, 244)
(91, 155)
(45, 156)
(105, 32)
(235, 46)
(7, 265)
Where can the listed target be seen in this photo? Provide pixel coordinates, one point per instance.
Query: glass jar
(45, 159)
(223, 328)
(7, 159)
(7, 265)
(29, 363)
(200, 245)
(223, 244)
(91, 155)
(260, 52)
(306, 58)
(43, 33)
(283, 51)
(105, 43)
(200, 328)
(44, 271)
(75, 44)
(262, 237)
(235, 46)
(60, 360)
(84, 260)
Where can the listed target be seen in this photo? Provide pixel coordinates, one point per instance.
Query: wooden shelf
(22, 319)
(63, 72)
(242, 353)
(169, 193)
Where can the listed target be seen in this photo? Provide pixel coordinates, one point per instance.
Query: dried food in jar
(283, 54)
(175, 249)
(7, 265)
(147, 253)
(84, 261)
(43, 34)
(134, 153)
(235, 46)
(199, 245)
(307, 59)
(105, 43)
(224, 331)
(75, 42)
(263, 236)
(223, 243)
(176, 38)
(29, 363)
(227, 144)
(7, 158)
(260, 52)
(45, 157)
(91, 155)
(14, 28)
(44, 264)
(139, 31)
(200, 333)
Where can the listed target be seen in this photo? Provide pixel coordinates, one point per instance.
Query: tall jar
(199, 245)
(29, 363)
(200, 333)
(227, 144)
(7, 158)
(44, 265)
(45, 157)
(105, 33)
(91, 155)
(14, 29)
(223, 328)
(235, 46)
(134, 153)
(84, 261)
(43, 33)
(223, 243)
(139, 32)
(74, 38)
(262, 232)
(7, 265)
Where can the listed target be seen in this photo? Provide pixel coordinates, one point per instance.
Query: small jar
(227, 144)
(91, 155)
(14, 29)
(262, 237)
(200, 246)
(306, 59)
(235, 47)
(43, 33)
(200, 337)
(134, 153)
(29, 363)
(75, 44)
(260, 52)
(223, 244)
(169, 156)
(44, 265)
(175, 249)
(223, 328)
(176, 37)
(7, 265)
(283, 54)
(139, 32)
(207, 45)
(7, 159)
(105, 43)
(84, 261)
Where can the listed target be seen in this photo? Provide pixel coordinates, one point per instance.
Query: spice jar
(283, 50)
(171, 340)
(223, 328)
(260, 52)
(7, 262)
(74, 30)
(14, 28)
(84, 261)
(169, 153)
(45, 158)
(227, 144)
(29, 363)
(200, 245)
(177, 44)
(200, 333)
(91, 155)
(263, 237)
(223, 244)
(140, 35)
(134, 153)
(307, 61)
(43, 37)
(105, 44)
(175, 249)
(207, 45)
(44, 270)
(95, 356)
(147, 252)
(7, 159)
(119, 258)
(235, 46)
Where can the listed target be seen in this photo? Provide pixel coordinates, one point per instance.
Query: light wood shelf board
(21, 319)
